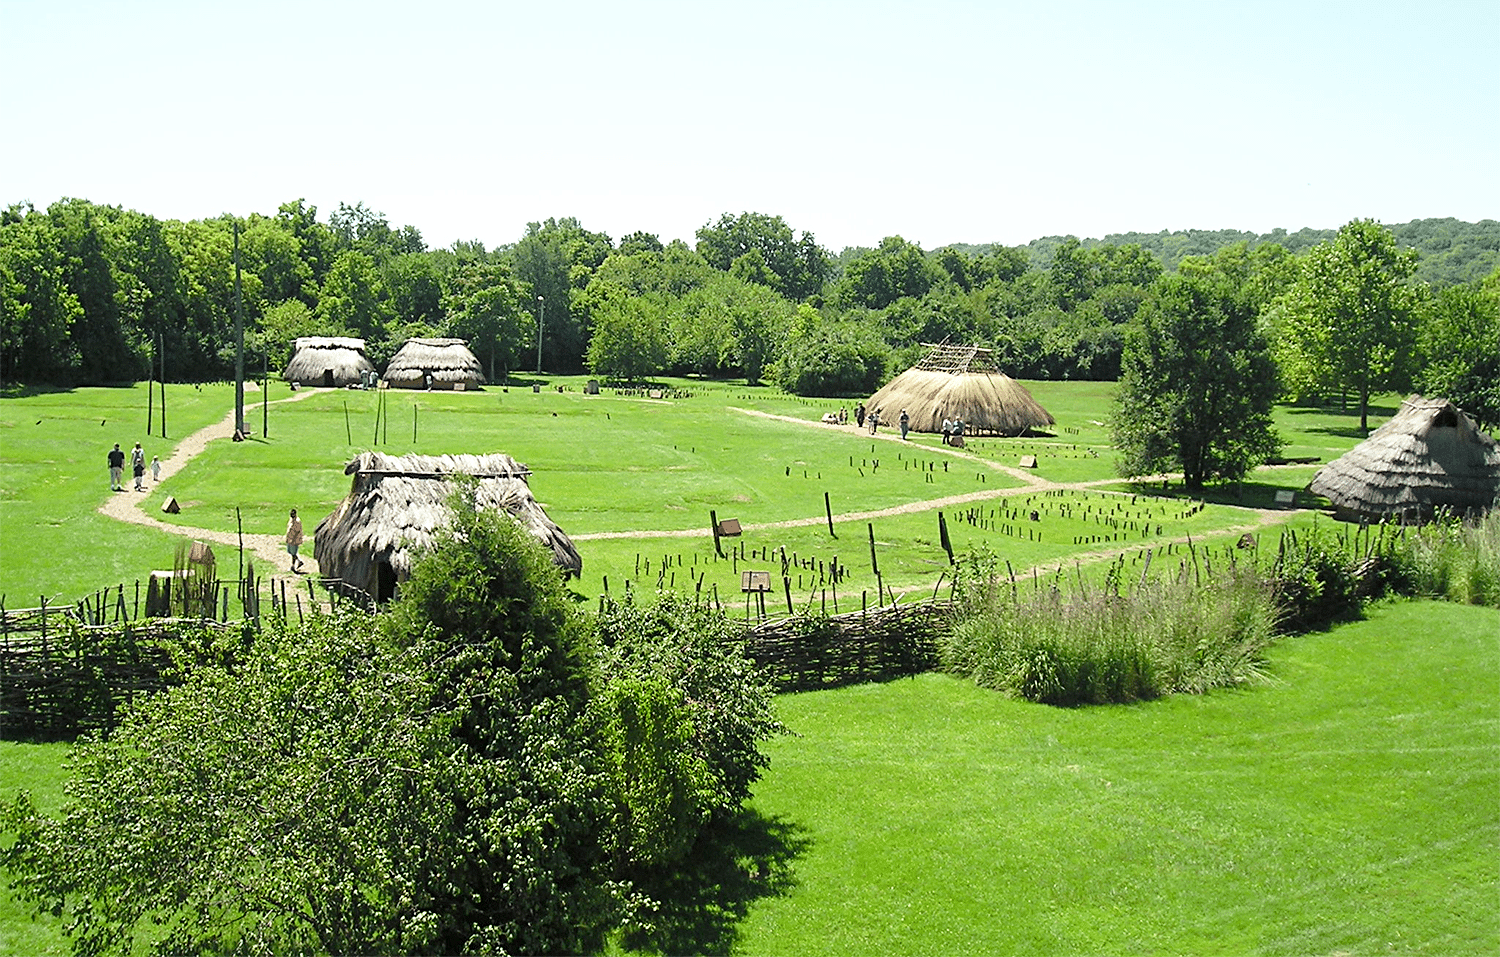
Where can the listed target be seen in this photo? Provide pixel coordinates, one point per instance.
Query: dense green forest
(96, 294)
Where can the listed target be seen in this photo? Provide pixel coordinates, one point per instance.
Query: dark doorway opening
(385, 582)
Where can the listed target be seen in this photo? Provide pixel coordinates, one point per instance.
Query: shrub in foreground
(473, 773)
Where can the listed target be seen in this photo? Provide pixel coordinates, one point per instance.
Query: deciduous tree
(1460, 349)
(1197, 381)
(1349, 322)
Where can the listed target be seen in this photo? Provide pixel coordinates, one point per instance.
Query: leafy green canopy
(1198, 382)
(1348, 322)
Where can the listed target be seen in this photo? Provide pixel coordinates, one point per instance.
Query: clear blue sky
(938, 120)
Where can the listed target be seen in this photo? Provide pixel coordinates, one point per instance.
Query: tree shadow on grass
(1258, 493)
(1342, 431)
(704, 898)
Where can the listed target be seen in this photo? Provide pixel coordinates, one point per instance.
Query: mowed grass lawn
(1350, 806)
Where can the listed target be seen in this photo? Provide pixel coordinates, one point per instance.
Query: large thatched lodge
(960, 382)
(434, 364)
(398, 502)
(1430, 456)
(330, 361)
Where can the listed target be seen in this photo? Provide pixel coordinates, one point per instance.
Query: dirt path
(269, 550)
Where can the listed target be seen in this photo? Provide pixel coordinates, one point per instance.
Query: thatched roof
(398, 502)
(448, 361)
(959, 382)
(328, 360)
(1430, 455)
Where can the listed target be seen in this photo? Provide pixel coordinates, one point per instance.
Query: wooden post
(348, 431)
(163, 352)
(713, 521)
(151, 387)
(874, 565)
(413, 423)
(828, 509)
(943, 537)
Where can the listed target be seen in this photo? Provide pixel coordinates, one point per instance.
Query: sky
(942, 121)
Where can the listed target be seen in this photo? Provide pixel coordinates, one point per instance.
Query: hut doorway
(385, 582)
(327, 378)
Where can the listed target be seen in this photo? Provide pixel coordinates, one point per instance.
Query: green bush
(683, 711)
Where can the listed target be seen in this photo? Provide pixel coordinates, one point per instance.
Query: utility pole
(541, 310)
(239, 340)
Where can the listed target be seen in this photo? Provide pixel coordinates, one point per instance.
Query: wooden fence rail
(68, 669)
(804, 653)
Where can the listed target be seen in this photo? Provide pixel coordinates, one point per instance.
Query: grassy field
(608, 468)
(1352, 806)
(1349, 806)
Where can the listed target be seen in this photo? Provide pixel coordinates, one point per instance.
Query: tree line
(96, 294)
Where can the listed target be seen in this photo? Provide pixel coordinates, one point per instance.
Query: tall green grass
(1073, 646)
(1457, 561)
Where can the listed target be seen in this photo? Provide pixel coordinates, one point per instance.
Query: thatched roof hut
(960, 382)
(398, 502)
(1429, 456)
(448, 362)
(332, 361)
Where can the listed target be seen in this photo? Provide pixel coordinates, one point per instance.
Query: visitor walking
(874, 421)
(116, 468)
(155, 470)
(294, 539)
(859, 415)
(138, 467)
(905, 424)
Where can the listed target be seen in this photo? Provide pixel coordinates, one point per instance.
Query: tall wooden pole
(239, 339)
(162, 350)
(151, 387)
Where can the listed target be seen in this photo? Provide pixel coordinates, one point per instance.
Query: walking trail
(271, 549)
(268, 550)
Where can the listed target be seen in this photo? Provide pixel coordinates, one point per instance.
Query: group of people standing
(137, 466)
(952, 429)
(863, 415)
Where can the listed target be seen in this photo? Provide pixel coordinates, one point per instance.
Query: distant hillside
(1452, 251)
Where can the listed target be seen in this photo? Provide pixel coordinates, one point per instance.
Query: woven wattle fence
(59, 678)
(893, 641)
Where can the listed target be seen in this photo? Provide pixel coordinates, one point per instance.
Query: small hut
(331, 361)
(1429, 456)
(434, 364)
(960, 382)
(398, 502)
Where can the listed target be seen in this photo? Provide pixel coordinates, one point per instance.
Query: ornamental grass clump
(1457, 561)
(1068, 646)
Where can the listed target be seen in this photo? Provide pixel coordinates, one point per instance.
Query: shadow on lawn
(703, 900)
(1249, 494)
